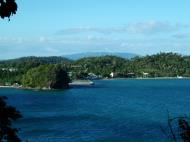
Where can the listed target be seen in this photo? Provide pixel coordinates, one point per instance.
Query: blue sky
(58, 27)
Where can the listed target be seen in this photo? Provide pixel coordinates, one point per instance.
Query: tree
(7, 8)
(8, 114)
(46, 76)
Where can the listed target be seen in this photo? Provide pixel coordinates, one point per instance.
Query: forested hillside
(25, 63)
(11, 71)
(159, 65)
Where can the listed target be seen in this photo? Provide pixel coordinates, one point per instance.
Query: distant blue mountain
(97, 54)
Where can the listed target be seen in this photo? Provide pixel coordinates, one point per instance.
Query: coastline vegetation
(46, 77)
(159, 65)
(43, 72)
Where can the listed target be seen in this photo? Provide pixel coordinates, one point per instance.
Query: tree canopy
(159, 65)
(46, 76)
(8, 114)
(7, 8)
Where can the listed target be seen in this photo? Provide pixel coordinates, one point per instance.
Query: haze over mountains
(98, 54)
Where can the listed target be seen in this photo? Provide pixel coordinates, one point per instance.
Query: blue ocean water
(109, 111)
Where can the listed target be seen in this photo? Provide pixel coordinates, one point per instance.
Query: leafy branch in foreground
(7, 8)
(8, 115)
(179, 128)
(185, 129)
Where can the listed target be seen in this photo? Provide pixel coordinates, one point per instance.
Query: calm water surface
(110, 111)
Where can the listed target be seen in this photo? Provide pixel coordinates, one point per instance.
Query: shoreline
(148, 78)
(164, 78)
(75, 83)
(4, 86)
(86, 83)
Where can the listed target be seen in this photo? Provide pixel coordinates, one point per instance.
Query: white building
(145, 74)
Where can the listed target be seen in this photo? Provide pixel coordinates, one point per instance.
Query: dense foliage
(11, 71)
(8, 114)
(7, 8)
(99, 65)
(159, 65)
(47, 77)
(26, 63)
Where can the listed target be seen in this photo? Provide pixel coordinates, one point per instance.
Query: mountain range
(97, 54)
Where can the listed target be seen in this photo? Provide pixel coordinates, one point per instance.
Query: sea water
(109, 111)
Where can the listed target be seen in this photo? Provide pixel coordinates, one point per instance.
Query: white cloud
(135, 28)
(51, 49)
(130, 38)
(181, 35)
(11, 40)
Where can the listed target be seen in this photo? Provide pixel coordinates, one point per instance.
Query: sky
(60, 27)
